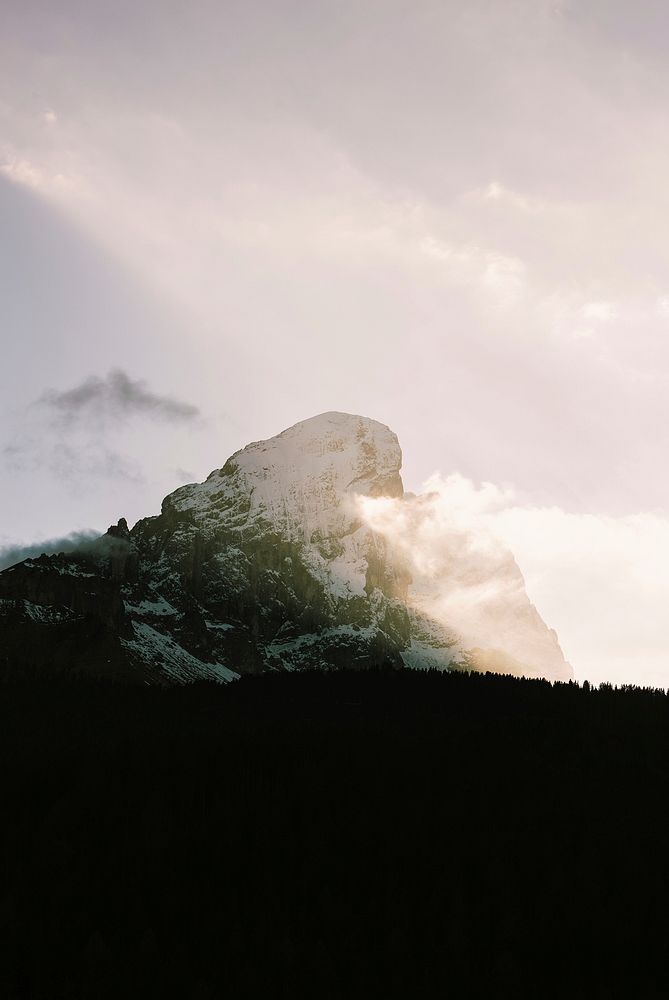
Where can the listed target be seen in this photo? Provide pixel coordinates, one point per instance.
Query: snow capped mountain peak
(300, 479)
(274, 563)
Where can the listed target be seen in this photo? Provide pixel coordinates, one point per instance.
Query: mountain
(275, 562)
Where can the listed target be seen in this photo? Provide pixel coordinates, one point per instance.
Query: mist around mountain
(302, 551)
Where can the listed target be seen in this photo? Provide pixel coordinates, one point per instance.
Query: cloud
(70, 462)
(462, 573)
(22, 171)
(73, 433)
(602, 312)
(497, 192)
(73, 463)
(12, 554)
(600, 581)
(115, 398)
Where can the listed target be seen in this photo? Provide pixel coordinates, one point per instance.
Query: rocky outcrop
(117, 547)
(268, 564)
(66, 581)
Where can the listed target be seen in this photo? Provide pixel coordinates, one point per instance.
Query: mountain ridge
(271, 563)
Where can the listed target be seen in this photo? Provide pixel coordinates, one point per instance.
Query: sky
(220, 218)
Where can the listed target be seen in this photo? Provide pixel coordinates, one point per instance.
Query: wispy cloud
(72, 433)
(21, 171)
(12, 554)
(114, 398)
(602, 312)
(69, 462)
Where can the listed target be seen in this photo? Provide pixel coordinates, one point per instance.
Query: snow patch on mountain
(161, 653)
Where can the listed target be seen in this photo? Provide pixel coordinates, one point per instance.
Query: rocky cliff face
(270, 563)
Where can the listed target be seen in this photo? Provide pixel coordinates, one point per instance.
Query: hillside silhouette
(333, 835)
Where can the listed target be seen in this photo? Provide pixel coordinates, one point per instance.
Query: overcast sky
(218, 218)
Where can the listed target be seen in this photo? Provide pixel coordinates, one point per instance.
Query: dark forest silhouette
(381, 834)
